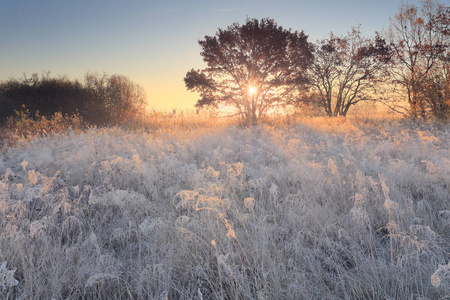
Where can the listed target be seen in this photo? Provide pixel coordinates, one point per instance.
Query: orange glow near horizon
(168, 94)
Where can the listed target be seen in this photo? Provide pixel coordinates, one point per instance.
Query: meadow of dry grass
(299, 208)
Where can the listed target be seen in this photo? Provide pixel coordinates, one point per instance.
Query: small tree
(345, 70)
(125, 98)
(252, 67)
(114, 99)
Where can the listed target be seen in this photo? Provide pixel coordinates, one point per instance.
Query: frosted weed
(7, 277)
(306, 211)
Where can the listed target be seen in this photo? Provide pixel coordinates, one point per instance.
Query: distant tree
(125, 98)
(114, 99)
(252, 67)
(420, 38)
(345, 71)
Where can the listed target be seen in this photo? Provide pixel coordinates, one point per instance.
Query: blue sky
(154, 42)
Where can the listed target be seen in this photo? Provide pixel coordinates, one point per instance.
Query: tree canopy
(252, 67)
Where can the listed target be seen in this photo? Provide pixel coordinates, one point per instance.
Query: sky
(155, 42)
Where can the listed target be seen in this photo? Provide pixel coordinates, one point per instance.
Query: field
(308, 209)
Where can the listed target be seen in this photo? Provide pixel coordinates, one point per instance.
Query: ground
(313, 209)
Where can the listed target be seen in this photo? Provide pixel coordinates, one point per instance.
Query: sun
(252, 90)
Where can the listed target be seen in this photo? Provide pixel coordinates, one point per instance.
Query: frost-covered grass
(311, 210)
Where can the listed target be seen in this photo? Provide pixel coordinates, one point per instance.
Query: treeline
(257, 66)
(100, 99)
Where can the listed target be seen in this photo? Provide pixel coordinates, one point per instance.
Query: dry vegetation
(193, 208)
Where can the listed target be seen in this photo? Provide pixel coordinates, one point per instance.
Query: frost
(333, 168)
(359, 218)
(24, 164)
(98, 279)
(120, 198)
(359, 200)
(183, 221)
(150, 225)
(392, 207)
(4, 190)
(442, 273)
(249, 203)
(445, 217)
(7, 277)
(426, 138)
(231, 234)
(32, 178)
(201, 199)
(229, 212)
(37, 228)
(273, 190)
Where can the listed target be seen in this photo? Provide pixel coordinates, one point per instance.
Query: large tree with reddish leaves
(252, 67)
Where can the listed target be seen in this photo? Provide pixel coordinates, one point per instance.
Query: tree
(115, 98)
(125, 98)
(419, 37)
(253, 67)
(345, 70)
